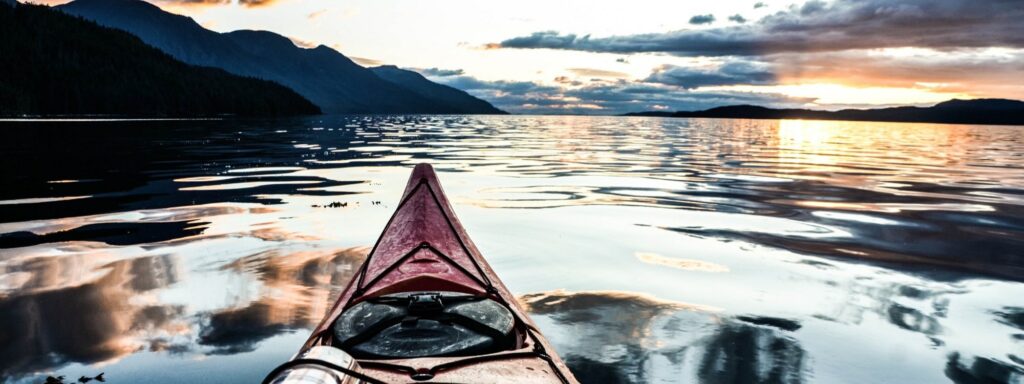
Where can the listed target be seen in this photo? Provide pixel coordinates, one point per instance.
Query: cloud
(606, 97)
(702, 19)
(438, 72)
(591, 72)
(730, 73)
(983, 72)
(316, 14)
(631, 97)
(812, 7)
(760, 4)
(246, 3)
(941, 46)
(567, 80)
(977, 71)
(303, 43)
(543, 39)
(470, 83)
(522, 96)
(822, 27)
(738, 18)
(366, 62)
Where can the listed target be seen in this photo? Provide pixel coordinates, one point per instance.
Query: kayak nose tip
(423, 170)
(422, 173)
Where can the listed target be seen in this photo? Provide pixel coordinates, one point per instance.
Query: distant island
(53, 64)
(977, 111)
(323, 75)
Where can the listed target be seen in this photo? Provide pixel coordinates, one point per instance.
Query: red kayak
(425, 307)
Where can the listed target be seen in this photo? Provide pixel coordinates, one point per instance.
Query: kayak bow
(425, 307)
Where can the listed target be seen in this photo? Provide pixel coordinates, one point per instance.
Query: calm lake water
(648, 250)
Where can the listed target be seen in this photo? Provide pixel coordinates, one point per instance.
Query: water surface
(647, 249)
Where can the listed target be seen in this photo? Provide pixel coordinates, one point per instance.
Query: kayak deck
(425, 248)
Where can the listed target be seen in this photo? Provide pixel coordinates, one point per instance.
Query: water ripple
(664, 249)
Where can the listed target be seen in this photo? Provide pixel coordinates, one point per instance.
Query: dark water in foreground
(648, 250)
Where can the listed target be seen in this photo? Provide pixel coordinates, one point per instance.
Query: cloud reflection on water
(636, 338)
(625, 337)
(299, 289)
(88, 309)
(59, 316)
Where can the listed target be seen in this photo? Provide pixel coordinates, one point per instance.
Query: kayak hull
(425, 248)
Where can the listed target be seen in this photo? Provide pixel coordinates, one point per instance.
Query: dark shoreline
(977, 112)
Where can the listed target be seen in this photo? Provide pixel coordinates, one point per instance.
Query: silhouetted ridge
(983, 104)
(977, 111)
(55, 64)
(458, 100)
(321, 74)
(262, 40)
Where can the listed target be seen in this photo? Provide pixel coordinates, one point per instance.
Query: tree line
(54, 64)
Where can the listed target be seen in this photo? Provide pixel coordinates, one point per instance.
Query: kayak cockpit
(424, 324)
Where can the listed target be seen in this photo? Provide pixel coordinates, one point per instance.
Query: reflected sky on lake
(648, 250)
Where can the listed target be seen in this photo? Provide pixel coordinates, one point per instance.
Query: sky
(610, 57)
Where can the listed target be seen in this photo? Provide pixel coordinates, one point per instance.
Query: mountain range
(321, 74)
(416, 83)
(976, 111)
(55, 64)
